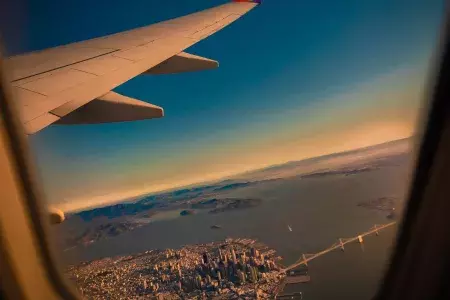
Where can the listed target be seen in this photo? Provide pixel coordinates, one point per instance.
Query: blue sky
(296, 79)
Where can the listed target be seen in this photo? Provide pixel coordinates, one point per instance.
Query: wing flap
(39, 123)
(183, 62)
(109, 108)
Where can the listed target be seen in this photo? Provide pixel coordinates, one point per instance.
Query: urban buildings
(229, 269)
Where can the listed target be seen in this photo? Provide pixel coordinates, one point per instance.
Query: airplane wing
(73, 84)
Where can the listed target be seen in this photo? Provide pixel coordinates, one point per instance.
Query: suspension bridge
(305, 258)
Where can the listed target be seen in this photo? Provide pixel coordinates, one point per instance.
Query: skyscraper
(230, 271)
(223, 270)
(233, 253)
(243, 259)
(253, 274)
(205, 258)
(219, 276)
(243, 267)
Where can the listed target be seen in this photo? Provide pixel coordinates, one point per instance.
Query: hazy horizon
(136, 197)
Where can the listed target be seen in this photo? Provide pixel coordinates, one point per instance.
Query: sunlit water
(319, 211)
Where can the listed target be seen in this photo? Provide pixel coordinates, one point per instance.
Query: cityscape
(229, 269)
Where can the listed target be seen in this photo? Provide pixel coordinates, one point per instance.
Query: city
(230, 269)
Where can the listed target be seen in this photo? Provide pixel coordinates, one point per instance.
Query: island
(187, 212)
(227, 204)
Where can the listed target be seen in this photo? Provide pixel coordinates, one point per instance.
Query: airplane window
(280, 173)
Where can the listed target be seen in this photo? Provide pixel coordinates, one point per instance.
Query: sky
(296, 79)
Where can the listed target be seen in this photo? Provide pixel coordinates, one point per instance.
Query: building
(205, 258)
(230, 271)
(233, 254)
(223, 270)
(241, 276)
(213, 272)
(198, 282)
(243, 267)
(253, 274)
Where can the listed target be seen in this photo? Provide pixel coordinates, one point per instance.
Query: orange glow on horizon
(367, 135)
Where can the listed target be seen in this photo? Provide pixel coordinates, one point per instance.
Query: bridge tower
(360, 239)
(342, 244)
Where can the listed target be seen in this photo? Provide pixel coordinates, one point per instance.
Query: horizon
(329, 80)
(138, 197)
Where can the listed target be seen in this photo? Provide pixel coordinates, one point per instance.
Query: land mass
(116, 225)
(232, 204)
(187, 212)
(224, 196)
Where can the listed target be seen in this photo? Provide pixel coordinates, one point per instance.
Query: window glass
(283, 172)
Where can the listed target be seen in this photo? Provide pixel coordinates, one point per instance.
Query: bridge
(305, 258)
